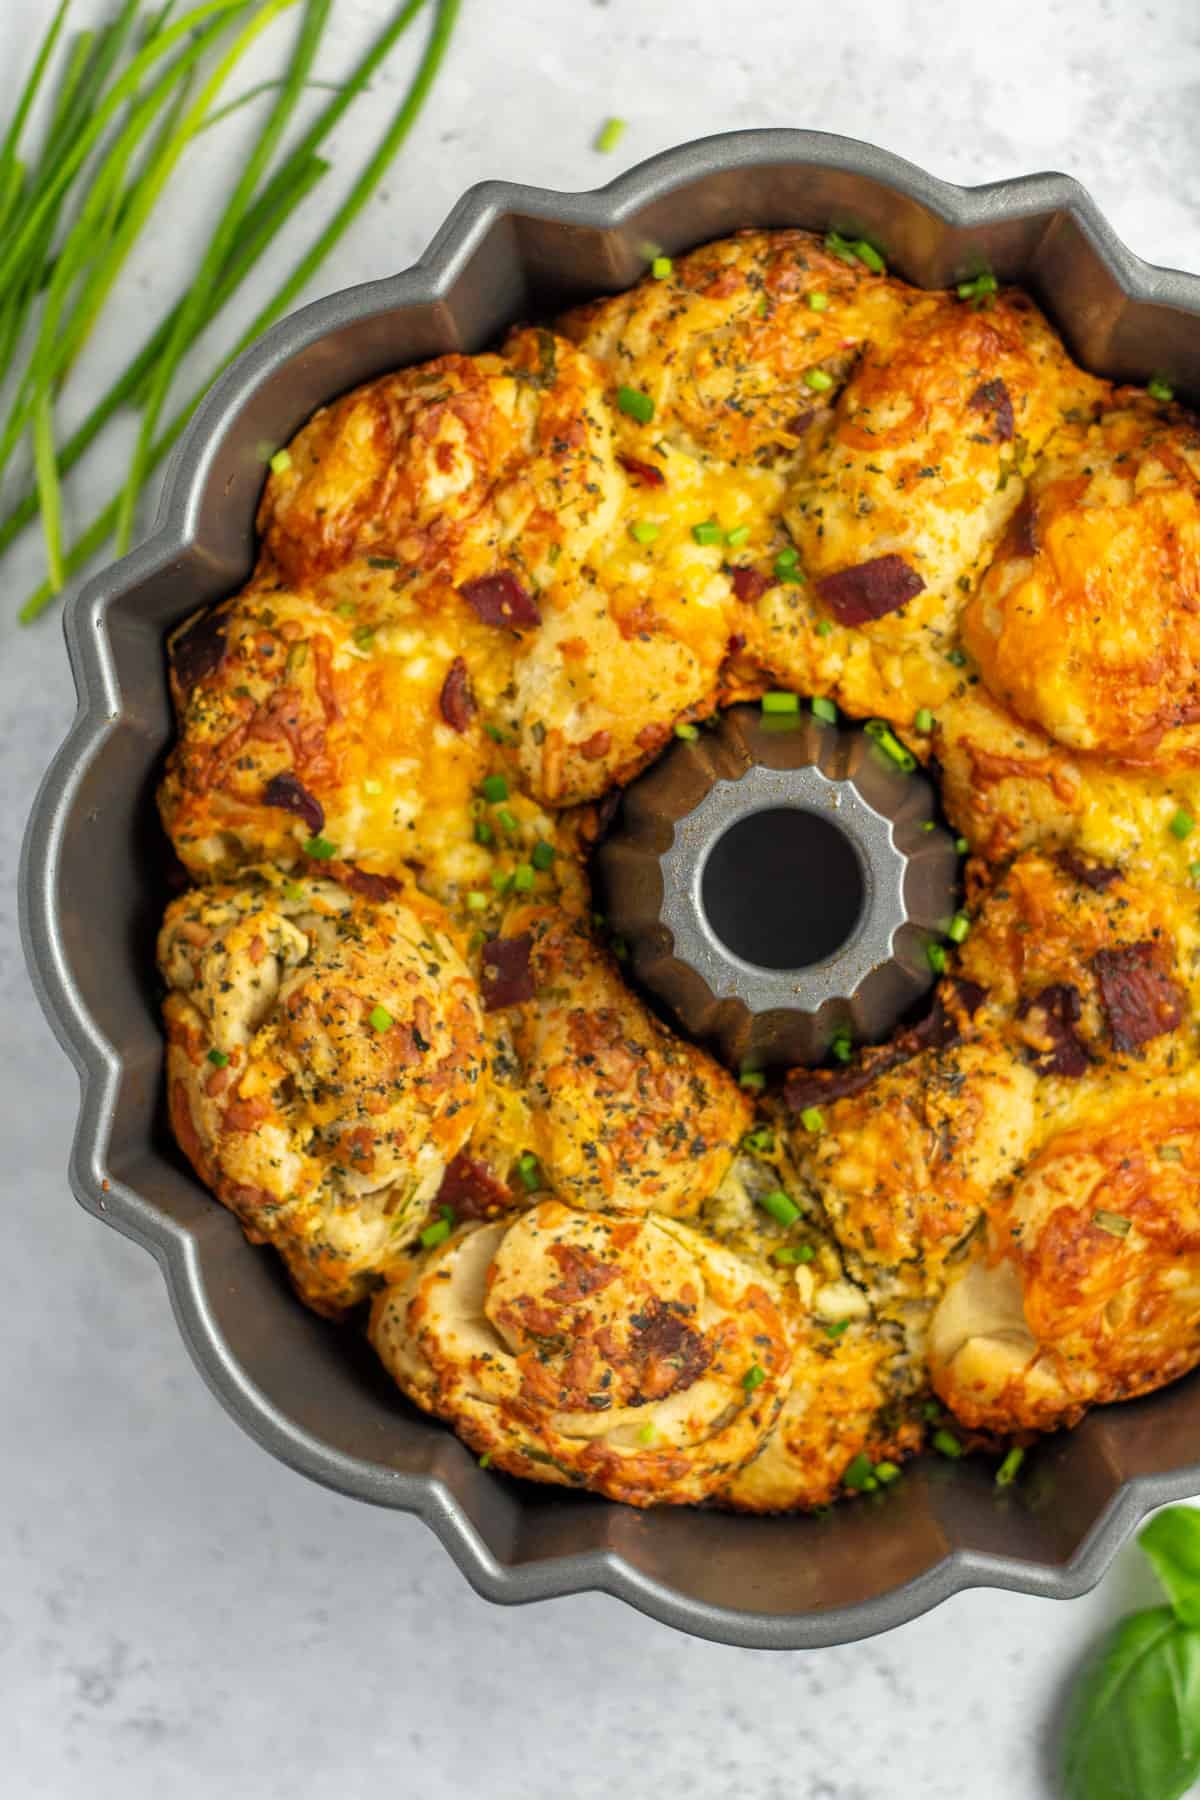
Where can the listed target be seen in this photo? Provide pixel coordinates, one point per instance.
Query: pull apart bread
(403, 1051)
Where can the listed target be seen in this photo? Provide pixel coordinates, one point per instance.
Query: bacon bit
(672, 1353)
(870, 590)
(199, 650)
(1097, 876)
(801, 422)
(748, 584)
(1054, 1014)
(361, 881)
(323, 677)
(643, 471)
(994, 397)
(956, 1004)
(245, 1115)
(652, 737)
(457, 701)
(1140, 998)
(292, 796)
(583, 1273)
(501, 600)
(736, 645)
(1022, 532)
(506, 979)
(192, 932)
(257, 949)
(471, 1190)
(597, 746)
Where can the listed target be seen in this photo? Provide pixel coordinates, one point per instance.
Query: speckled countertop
(181, 1615)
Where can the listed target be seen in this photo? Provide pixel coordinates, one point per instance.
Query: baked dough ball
(323, 1061)
(904, 494)
(1090, 966)
(903, 1169)
(623, 1113)
(634, 1357)
(461, 468)
(1087, 1287)
(1087, 623)
(840, 1406)
(722, 345)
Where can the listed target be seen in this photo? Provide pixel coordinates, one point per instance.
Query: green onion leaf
(935, 955)
(859, 1475)
(882, 734)
(1182, 824)
(825, 709)
(946, 1444)
(542, 855)
(1159, 388)
(1115, 1224)
(738, 536)
(635, 405)
(494, 788)
(529, 1169)
(523, 878)
(819, 302)
(813, 1119)
(924, 721)
(958, 928)
(753, 1378)
(380, 1018)
(610, 135)
(843, 1047)
(781, 1206)
(708, 532)
(644, 531)
(218, 1058)
(1010, 1468)
(753, 1080)
(788, 1254)
(819, 380)
(687, 732)
(661, 268)
(437, 1233)
(776, 701)
(319, 848)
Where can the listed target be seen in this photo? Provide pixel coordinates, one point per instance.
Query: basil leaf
(1133, 1724)
(1172, 1542)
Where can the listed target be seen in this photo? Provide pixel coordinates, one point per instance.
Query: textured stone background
(178, 1613)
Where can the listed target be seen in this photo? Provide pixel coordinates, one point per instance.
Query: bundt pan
(92, 894)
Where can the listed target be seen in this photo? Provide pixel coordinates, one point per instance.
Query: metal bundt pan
(90, 904)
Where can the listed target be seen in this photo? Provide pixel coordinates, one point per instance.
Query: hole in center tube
(783, 888)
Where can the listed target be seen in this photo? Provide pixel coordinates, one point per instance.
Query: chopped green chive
(382, 562)
(753, 1080)
(646, 1434)
(776, 701)
(281, 461)
(507, 820)
(635, 405)
(787, 559)
(738, 536)
(643, 531)
(819, 380)
(502, 882)
(661, 268)
(787, 1254)
(928, 825)
(380, 1018)
(364, 636)
(1182, 825)
(887, 1472)
(762, 1138)
(619, 948)
(818, 302)
(542, 855)
(1160, 389)
(437, 1233)
(781, 1206)
(1116, 1224)
(687, 732)
(530, 1171)
(218, 1058)
(859, 1475)
(935, 955)
(610, 135)
(707, 532)
(924, 720)
(477, 902)
(946, 1444)
(823, 627)
(890, 744)
(825, 709)
(494, 788)
(840, 247)
(868, 254)
(813, 1119)
(958, 928)
(753, 1378)
(292, 890)
(319, 847)
(523, 878)
(979, 290)
(843, 1047)
(836, 1329)
(485, 1461)
(1010, 1468)
(483, 832)
(961, 845)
